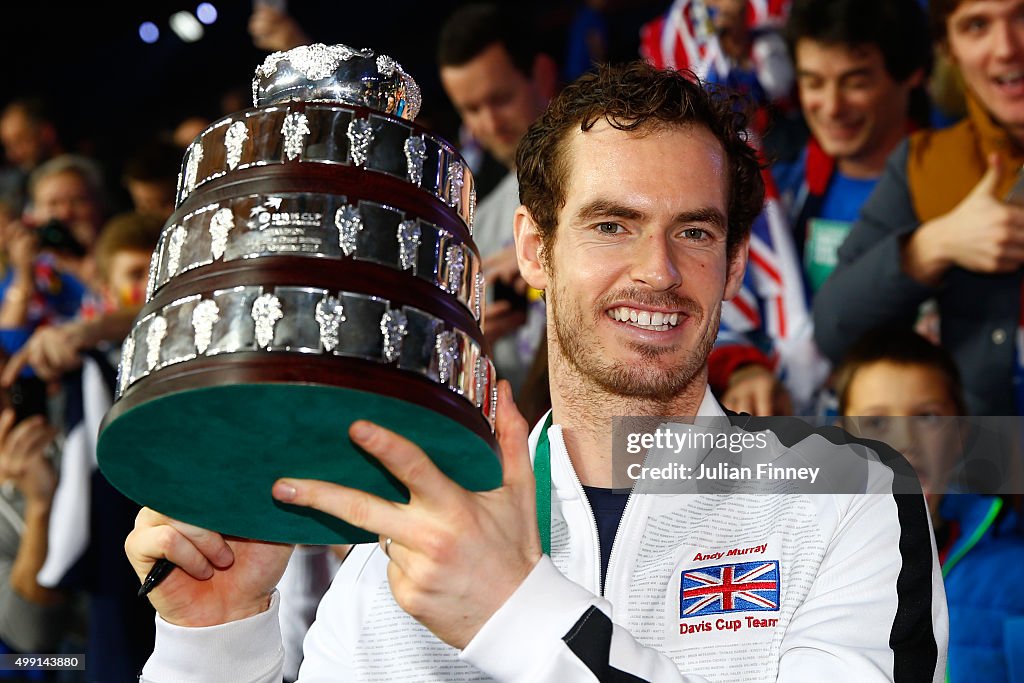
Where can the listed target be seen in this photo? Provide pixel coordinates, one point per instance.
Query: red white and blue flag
(772, 311)
(684, 37)
(741, 587)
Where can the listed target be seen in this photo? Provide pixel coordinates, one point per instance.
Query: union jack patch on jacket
(741, 587)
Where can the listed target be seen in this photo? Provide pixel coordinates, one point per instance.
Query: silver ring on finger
(387, 547)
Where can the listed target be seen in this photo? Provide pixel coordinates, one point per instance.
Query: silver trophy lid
(336, 73)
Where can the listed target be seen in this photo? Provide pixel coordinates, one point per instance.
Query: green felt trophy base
(209, 456)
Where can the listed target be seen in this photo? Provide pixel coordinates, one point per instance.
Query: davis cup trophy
(319, 269)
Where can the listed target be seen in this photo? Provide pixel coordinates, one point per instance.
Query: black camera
(56, 236)
(28, 397)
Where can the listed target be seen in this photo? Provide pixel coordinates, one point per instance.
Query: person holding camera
(939, 225)
(32, 617)
(500, 82)
(48, 254)
(68, 211)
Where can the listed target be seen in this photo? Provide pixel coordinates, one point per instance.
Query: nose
(1008, 38)
(486, 123)
(653, 264)
(831, 101)
(64, 212)
(901, 437)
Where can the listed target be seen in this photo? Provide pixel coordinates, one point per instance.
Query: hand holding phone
(28, 397)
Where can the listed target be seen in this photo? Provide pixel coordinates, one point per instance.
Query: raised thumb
(990, 182)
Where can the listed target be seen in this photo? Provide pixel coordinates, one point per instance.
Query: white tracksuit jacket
(838, 587)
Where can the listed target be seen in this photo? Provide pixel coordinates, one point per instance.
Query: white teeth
(650, 320)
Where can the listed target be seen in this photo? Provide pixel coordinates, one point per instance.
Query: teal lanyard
(990, 516)
(542, 474)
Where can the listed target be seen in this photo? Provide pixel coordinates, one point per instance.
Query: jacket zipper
(615, 544)
(593, 523)
(618, 533)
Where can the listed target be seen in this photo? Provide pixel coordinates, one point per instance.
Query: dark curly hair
(636, 97)
(898, 28)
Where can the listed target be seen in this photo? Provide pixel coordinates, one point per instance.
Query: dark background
(110, 91)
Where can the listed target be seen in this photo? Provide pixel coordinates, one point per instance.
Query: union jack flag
(684, 37)
(772, 311)
(742, 587)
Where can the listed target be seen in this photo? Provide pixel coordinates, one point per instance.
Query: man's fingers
(14, 365)
(58, 358)
(145, 547)
(150, 541)
(1014, 252)
(30, 435)
(208, 543)
(405, 460)
(6, 422)
(395, 551)
(513, 438)
(992, 178)
(358, 508)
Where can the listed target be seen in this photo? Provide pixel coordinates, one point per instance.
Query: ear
(529, 249)
(737, 266)
(545, 77)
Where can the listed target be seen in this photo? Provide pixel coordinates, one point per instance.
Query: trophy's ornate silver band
(309, 320)
(336, 73)
(329, 134)
(317, 225)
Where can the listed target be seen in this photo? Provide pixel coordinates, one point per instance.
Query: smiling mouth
(1014, 78)
(841, 130)
(644, 320)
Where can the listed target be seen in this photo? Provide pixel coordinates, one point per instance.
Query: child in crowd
(897, 387)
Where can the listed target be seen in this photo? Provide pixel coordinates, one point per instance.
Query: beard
(636, 381)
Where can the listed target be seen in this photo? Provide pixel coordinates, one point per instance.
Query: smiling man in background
(860, 65)
(499, 83)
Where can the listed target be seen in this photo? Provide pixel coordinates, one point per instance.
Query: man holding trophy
(638, 191)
